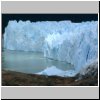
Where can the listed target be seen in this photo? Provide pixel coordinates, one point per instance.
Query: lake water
(29, 62)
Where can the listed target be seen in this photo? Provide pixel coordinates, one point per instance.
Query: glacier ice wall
(25, 36)
(78, 44)
(30, 36)
(75, 43)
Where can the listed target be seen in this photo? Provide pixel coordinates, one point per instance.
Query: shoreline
(13, 78)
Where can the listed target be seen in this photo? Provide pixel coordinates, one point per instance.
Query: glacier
(75, 43)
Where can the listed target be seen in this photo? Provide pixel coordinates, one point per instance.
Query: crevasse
(75, 43)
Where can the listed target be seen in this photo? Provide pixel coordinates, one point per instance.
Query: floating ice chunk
(50, 71)
(54, 71)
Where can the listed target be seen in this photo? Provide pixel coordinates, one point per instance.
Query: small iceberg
(54, 71)
(51, 71)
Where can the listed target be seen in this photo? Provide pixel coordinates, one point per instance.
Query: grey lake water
(29, 62)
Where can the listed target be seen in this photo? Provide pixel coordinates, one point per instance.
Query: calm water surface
(29, 62)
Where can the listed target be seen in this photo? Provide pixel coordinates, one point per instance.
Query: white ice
(53, 70)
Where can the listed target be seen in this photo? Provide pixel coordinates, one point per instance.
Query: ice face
(25, 36)
(75, 43)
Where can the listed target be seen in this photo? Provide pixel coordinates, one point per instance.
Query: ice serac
(75, 43)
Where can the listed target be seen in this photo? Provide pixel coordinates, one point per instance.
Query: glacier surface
(75, 43)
